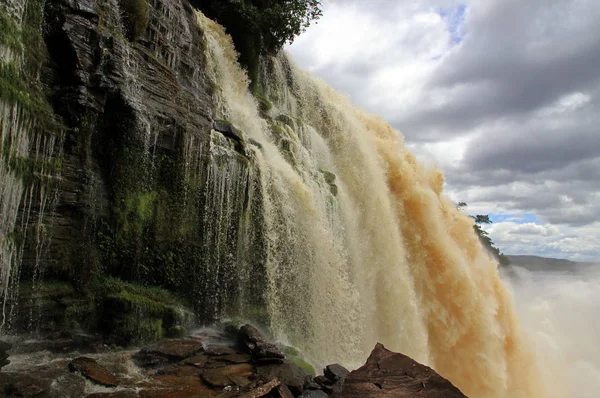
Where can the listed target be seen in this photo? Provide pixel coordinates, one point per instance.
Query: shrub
(261, 27)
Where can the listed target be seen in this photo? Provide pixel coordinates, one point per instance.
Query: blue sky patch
(455, 17)
(523, 218)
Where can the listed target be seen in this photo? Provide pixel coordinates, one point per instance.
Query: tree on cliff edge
(484, 237)
(261, 27)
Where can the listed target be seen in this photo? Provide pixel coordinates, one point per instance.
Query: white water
(387, 259)
(561, 312)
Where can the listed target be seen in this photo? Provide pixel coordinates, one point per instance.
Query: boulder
(282, 391)
(90, 369)
(287, 373)
(333, 379)
(227, 130)
(336, 372)
(325, 383)
(388, 374)
(252, 341)
(311, 384)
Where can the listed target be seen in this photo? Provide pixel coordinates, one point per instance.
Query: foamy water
(561, 313)
(361, 243)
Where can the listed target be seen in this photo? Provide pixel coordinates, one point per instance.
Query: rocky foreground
(208, 364)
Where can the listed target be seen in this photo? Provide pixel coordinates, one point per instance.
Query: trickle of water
(28, 180)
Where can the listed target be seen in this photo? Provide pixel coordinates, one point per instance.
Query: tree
(261, 27)
(484, 237)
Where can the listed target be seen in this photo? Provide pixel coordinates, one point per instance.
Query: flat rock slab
(176, 387)
(313, 394)
(116, 394)
(261, 390)
(242, 369)
(174, 350)
(219, 350)
(388, 374)
(178, 370)
(281, 391)
(237, 358)
(89, 368)
(228, 375)
(196, 360)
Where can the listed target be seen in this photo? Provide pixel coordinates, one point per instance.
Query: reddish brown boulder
(254, 343)
(89, 368)
(388, 374)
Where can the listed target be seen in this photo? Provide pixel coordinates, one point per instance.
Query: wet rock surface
(4, 347)
(251, 340)
(216, 364)
(91, 370)
(388, 374)
(171, 350)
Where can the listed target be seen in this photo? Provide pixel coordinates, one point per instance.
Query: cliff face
(141, 186)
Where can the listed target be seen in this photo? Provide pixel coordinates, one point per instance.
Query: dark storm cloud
(533, 150)
(510, 64)
(513, 90)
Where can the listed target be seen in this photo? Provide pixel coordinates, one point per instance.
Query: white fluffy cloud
(504, 94)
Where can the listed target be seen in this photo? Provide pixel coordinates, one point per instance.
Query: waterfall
(361, 245)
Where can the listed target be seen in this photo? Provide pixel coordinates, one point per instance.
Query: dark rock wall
(148, 191)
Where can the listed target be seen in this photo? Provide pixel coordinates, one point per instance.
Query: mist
(559, 312)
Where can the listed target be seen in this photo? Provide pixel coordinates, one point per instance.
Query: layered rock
(388, 374)
(91, 370)
(217, 366)
(138, 153)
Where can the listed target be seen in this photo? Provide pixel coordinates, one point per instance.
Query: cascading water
(360, 243)
(320, 216)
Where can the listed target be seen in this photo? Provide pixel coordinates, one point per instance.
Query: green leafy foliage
(261, 27)
(484, 237)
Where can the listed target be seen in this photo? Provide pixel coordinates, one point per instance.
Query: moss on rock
(293, 355)
(132, 314)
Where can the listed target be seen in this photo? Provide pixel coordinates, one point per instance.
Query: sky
(503, 94)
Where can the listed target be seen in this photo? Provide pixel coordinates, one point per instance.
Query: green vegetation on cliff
(124, 313)
(484, 237)
(261, 27)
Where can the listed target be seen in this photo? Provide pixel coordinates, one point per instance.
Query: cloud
(546, 240)
(504, 94)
